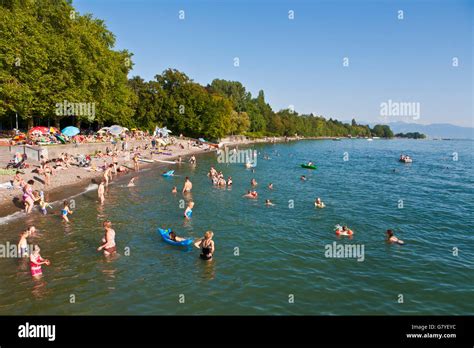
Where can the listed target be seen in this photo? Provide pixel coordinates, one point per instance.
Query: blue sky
(299, 62)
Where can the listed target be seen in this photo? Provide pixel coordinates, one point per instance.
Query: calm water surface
(281, 249)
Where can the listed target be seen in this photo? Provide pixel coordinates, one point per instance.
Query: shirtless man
(108, 174)
(109, 246)
(101, 192)
(188, 185)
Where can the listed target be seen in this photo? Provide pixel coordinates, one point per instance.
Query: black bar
(225, 330)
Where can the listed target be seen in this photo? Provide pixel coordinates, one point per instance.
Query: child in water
(188, 213)
(174, 190)
(65, 211)
(43, 204)
(175, 238)
(36, 261)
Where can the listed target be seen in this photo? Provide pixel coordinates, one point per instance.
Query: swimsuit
(188, 213)
(24, 251)
(111, 250)
(64, 212)
(36, 267)
(206, 252)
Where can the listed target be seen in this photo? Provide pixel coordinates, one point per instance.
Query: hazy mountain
(435, 130)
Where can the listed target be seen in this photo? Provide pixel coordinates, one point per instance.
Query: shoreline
(76, 180)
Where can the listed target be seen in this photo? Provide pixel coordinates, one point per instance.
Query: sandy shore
(74, 180)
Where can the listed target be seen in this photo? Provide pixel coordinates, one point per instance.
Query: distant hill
(435, 130)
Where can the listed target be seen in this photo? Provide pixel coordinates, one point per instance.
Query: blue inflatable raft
(165, 234)
(168, 173)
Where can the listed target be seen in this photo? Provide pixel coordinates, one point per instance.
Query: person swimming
(229, 181)
(343, 231)
(251, 194)
(268, 202)
(392, 239)
(174, 189)
(188, 213)
(65, 211)
(253, 182)
(270, 186)
(36, 261)
(132, 182)
(207, 246)
(303, 178)
(175, 238)
(318, 203)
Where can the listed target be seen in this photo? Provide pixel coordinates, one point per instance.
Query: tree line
(51, 55)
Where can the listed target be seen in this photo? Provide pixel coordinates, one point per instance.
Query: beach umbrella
(39, 130)
(116, 130)
(54, 130)
(70, 131)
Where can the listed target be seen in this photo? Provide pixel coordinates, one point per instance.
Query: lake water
(281, 266)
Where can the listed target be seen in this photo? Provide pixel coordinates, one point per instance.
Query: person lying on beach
(318, 203)
(65, 211)
(175, 238)
(36, 261)
(109, 246)
(207, 246)
(174, 189)
(188, 213)
(132, 182)
(188, 185)
(122, 169)
(392, 239)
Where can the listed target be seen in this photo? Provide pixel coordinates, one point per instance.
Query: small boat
(336, 139)
(308, 166)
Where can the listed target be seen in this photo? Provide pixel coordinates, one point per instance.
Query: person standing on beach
(115, 162)
(188, 185)
(108, 174)
(135, 162)
(109, 246)
(101, 192)
(28, 197)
